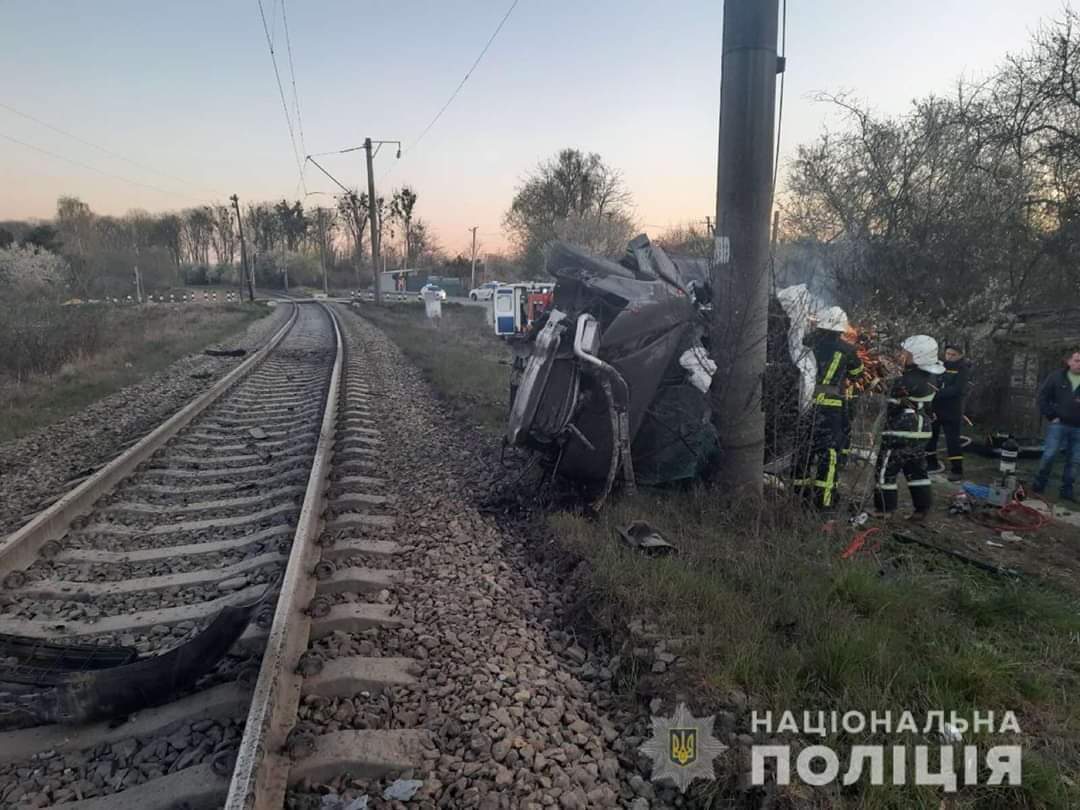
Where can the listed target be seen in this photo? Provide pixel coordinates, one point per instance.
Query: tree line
(201, 245)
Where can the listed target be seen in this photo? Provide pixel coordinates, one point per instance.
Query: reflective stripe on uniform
(907, 434)
(832, 402)
(829, 482)
(954, 458)
(921, 482)
(835, 364)
(887, 487)
(855, 372)
(927, 398)
(884, 466)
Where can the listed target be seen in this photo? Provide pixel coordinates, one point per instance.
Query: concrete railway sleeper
(199, 515)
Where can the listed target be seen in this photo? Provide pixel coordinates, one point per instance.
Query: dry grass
(133, 343)
(462, 359)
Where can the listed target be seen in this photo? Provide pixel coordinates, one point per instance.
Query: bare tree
(224, 235)
(573, 193)
(402, 204)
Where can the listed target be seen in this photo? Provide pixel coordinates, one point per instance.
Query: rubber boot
(956, 469)
(885, 500)
(922, 498)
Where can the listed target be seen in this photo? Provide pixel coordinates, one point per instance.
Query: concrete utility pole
(373, 217)
(473, 229)
(749, 68)
(243, 253)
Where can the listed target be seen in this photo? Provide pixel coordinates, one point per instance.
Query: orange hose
(858, 542)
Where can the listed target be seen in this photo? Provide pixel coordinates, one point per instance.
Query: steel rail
(20, 548)
(260, 775)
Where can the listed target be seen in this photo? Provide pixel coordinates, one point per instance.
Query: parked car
(433, 288)
(484, 291)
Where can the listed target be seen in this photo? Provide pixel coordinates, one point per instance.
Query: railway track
(262, 495)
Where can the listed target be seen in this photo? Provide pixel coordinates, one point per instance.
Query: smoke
(800, 304)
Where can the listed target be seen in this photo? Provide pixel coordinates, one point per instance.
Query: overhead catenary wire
(101, 149)
(465, 78)
(780, 105)
(457, 89)
(292, 77)
(281, 93)
(102, 172)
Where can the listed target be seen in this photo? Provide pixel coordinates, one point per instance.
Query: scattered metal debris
(641, 536)
(334, 801)
(402, 790)
(75, 683)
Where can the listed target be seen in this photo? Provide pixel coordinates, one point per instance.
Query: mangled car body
(612, 381)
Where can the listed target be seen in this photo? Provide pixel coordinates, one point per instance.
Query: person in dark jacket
(1059, 403)
(907, 428)
(837, 365)
(949, 413)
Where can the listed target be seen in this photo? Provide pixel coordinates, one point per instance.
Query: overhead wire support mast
(372, 200)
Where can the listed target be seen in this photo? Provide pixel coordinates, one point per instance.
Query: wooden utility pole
(749, 68)
(243, 253)
(373, 219)
(473, 229)
(322, 248)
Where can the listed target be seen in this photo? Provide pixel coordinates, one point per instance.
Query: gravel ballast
(522, 715)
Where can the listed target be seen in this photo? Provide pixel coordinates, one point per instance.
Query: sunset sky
(187, 91)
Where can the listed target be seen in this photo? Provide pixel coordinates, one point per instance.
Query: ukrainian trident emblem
(682, 748)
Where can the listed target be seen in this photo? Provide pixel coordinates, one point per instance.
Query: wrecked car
(611, 382)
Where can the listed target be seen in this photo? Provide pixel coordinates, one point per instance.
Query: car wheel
(472, 296)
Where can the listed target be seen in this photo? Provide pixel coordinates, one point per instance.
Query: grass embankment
(460, 356)
(94, 350)
(759, 601)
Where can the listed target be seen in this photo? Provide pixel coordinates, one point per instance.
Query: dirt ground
(1050, 552)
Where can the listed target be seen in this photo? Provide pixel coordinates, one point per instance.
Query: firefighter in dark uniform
(949, 413)
(907, 428)
(837, 363)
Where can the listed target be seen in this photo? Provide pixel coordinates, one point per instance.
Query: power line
(468, 73)
(780, 111)
(100, 148)
(281, 93)
(97, 170)
(292, 75)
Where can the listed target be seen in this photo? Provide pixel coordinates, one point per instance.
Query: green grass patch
(136, 342)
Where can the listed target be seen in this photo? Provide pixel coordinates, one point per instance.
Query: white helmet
(924, 353)
(833, 319)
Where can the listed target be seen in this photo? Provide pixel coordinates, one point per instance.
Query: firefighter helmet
(924, 353)
(833, 319)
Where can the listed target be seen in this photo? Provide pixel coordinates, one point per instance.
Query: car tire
(473, 297)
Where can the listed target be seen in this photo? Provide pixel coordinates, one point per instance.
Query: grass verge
(759, 604)
(139, 341)
(460, 356)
